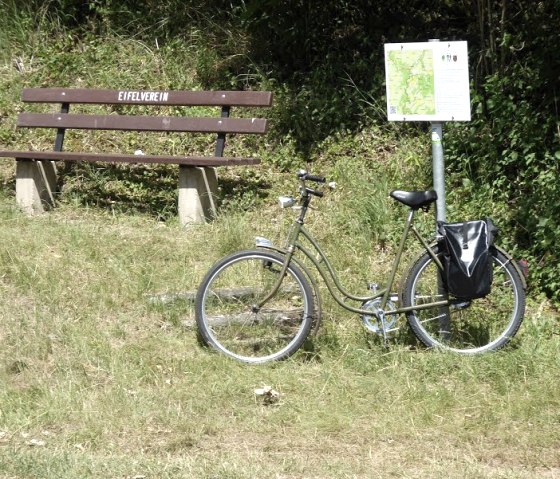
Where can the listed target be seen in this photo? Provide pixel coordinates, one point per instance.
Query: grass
(100, 381)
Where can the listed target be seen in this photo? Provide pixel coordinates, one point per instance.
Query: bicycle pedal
(460, 305)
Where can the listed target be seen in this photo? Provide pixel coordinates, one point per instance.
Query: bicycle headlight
(286, 201)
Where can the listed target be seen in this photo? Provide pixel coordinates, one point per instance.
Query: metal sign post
(438, 166)
(438, 170)
(438, 173)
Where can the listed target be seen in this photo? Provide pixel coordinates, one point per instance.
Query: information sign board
(427, 81)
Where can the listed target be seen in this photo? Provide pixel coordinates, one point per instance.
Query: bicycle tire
(227, 320)
(468, 327)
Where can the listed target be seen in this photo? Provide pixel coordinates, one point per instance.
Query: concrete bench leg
(198, 187)
(35, 185)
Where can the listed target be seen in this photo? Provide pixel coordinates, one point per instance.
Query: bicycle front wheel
(468, 327)
(229, 320)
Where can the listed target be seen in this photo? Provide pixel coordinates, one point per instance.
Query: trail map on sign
(411, 76)
(427, 81)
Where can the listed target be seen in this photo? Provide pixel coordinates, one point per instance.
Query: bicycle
(260, 305)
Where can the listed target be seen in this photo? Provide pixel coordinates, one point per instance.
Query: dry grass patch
(100, 381)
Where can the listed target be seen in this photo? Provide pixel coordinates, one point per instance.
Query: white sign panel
(427, 81)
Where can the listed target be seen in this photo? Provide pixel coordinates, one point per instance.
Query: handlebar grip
(316, 178)
(304, 176)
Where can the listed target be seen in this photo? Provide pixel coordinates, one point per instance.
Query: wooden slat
(143, 97)
(143, 123)
(119, 158)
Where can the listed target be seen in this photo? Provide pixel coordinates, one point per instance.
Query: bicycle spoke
(468, 326)
(427, 320)
(230, 319)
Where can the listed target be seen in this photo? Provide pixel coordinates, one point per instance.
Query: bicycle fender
(515, 264)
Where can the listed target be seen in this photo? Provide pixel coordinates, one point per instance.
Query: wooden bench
(36, 171)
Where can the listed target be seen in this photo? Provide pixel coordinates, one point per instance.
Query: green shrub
(506, 163)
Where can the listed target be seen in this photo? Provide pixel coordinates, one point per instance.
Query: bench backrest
(221, 125)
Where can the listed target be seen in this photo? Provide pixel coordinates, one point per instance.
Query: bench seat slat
(121, 158)
(142, 123)
(130, 97)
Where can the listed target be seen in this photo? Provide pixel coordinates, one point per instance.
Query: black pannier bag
(467, 257)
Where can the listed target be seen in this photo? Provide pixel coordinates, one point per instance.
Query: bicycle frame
(329, 275)
(279, 301)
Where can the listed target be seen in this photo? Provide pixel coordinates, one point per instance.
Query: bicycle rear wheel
(228, 319)
(468, 327)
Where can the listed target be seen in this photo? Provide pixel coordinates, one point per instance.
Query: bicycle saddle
(415, 199)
